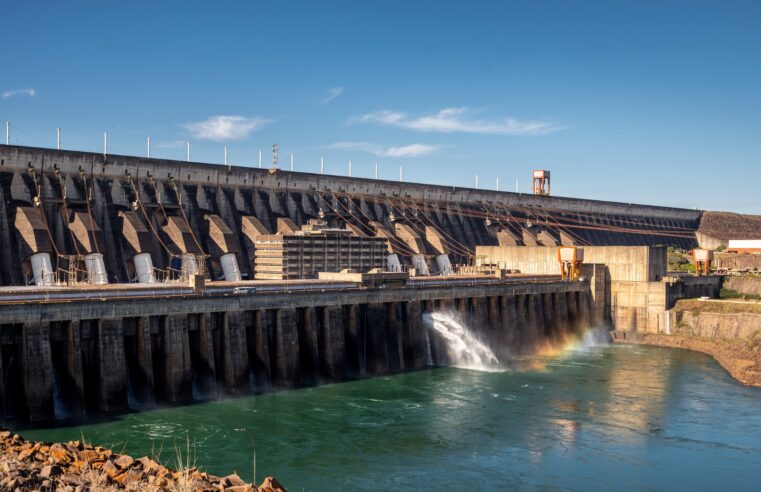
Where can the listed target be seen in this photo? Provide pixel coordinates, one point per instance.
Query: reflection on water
(594, 417)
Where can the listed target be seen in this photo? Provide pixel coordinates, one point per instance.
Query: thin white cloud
(450, 120)
(412, 150)
(31, 92)
(221, 128)
(331, 94)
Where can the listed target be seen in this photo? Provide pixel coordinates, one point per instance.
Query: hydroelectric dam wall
(122, 206)
(67, 358)
(108, 344)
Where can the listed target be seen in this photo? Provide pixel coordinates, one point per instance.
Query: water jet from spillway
(464, 350)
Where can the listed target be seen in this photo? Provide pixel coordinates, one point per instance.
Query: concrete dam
(128, 282)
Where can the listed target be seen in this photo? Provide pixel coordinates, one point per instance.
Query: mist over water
(595, 417)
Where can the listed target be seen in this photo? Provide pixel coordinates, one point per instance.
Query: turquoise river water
(601, 418)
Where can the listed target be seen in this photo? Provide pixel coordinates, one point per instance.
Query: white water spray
(464, 349)
(428, 353)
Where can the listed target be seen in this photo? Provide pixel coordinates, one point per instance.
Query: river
(603, 417)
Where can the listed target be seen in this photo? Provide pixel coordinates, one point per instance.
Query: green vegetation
(679, 260)
(733, 294)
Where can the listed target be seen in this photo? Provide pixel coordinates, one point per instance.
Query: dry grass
(716, 306)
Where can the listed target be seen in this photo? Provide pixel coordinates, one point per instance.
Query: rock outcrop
(75, 466)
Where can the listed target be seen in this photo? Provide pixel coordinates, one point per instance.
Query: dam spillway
(127, 282)
(123, 206)
(62, 359)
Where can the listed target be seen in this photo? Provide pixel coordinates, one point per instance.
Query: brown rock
(59, 454)
(25, 454)
(270, 484)
(124, 461)
(241, 488)
(50, 471)
(128, 477)
(233, 480)
(148, 464)
(110, 469)
(89, 455)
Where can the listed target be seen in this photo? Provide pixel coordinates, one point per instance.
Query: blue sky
(643, 101)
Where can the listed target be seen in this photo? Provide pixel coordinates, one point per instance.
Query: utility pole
(105, 144)
(149, 147)
(188, 151)
(58, 139)
(225, 155)
(7, 133)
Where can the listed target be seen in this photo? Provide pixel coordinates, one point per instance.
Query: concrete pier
(186, 348)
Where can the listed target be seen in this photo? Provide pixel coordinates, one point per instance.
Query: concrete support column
(585, 318)
(75, 377)
(539, 322)
(111, 365)
(394, 337)
(259, 347)
(37, 371)
(356, 349)
(528, 310)
(145, 358)
(333, 355)
(309, 345)
(377, 348)
(203, 355)
(177, 378)
(495, 322)
(463, 310)
(573, 312)
(508, 324)
(549, 329)
(286, 348)
(561, 308)
(234, 351)
(416, 346)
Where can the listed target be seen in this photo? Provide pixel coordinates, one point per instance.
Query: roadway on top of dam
(19, 158)
(35, 304)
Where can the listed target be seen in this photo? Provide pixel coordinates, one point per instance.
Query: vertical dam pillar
(286, 347)
(37, 371)
(75, 397)
(111, 365)
(333, 353)
(176, 376)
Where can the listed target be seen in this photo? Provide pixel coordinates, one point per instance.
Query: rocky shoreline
(740, 358)
(75, 466)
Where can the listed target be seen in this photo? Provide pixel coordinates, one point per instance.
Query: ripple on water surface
(603, 418)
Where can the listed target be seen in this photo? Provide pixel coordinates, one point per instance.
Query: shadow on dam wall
(72, 369)
(121, 206)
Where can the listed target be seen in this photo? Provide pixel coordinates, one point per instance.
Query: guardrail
(17, 297)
